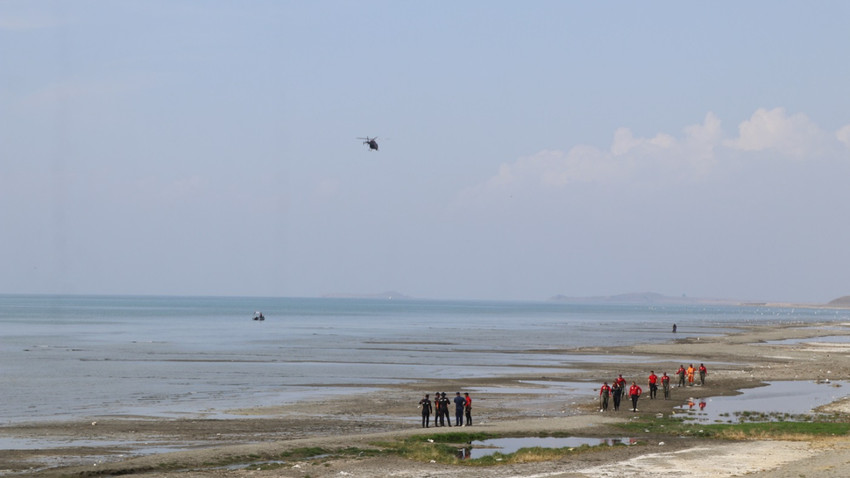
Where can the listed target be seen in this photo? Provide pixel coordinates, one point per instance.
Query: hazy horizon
(526, 150)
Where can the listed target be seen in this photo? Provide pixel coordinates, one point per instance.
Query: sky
(527, 149)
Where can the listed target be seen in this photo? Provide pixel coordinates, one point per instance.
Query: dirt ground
(143, 447)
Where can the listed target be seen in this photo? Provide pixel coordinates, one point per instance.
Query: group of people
(440, 408)
(690, 373)
(617, 390)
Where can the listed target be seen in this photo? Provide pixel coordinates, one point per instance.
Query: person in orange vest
(634, 392)
(665, 385)
(691, 371)
(702, 373)
(653, 384)
(681, 374)
(603, 396)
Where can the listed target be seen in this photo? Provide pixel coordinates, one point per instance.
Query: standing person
(702, 373)
(681, 374)
(425, 405)
(603, 396)
(444, 404)
(438, 412)
(674, 328)
(459, 404)
(616, 394)
(468, 408)
(691, 371)
(665, 385)
(653, 384)
(634, 392)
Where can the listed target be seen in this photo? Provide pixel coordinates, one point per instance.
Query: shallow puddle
(505, 446)
(830, 339)
(777, 398)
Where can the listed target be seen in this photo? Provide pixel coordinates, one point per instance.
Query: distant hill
(840, 302)
(641, 298)
(390, 295)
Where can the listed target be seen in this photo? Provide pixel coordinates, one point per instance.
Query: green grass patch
(450, 448)
(770, 428)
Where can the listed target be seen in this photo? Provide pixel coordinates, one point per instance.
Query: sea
(75, 357)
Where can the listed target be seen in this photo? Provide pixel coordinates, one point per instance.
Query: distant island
(643, 298)
(389, 295)
(840, 302)
(659, 299)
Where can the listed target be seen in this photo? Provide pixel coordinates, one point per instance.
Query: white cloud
(843, 135)
(664, 158)
(776, 131)
(627, 157)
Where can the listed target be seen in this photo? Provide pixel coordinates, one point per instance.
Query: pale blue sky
(527, 148)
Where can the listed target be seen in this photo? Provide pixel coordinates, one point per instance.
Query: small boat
(259, 316)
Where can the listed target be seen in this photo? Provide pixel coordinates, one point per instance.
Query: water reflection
(505, 446)
(776, 398)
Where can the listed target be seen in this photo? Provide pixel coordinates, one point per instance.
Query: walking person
(604, 392)
(702, 373)
(681, 374)
(691, 371)
(622, 383)
(616, 394)
(634, 392)
(665, 385)
(425, 405)
(468, 409)
(653, 384)
(459, 404)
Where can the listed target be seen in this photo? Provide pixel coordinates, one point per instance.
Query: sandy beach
(141, 446)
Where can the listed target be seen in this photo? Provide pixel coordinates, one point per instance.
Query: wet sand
(144, 447)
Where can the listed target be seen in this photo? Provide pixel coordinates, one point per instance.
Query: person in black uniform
(444, 406)
(616, 394)
(438, 411)
(425, 405)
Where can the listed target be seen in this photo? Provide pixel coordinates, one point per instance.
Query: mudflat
(243, 445)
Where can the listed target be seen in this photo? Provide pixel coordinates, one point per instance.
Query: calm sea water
(67, 357)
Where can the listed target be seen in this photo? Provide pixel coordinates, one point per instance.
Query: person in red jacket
(634, 392)
(653, 384)
(681, 374)
(604, 392)
(468, 409)
(702, 373)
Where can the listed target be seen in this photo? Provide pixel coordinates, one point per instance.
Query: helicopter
(371, 142)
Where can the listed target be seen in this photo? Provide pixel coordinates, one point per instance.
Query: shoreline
(110, 445)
